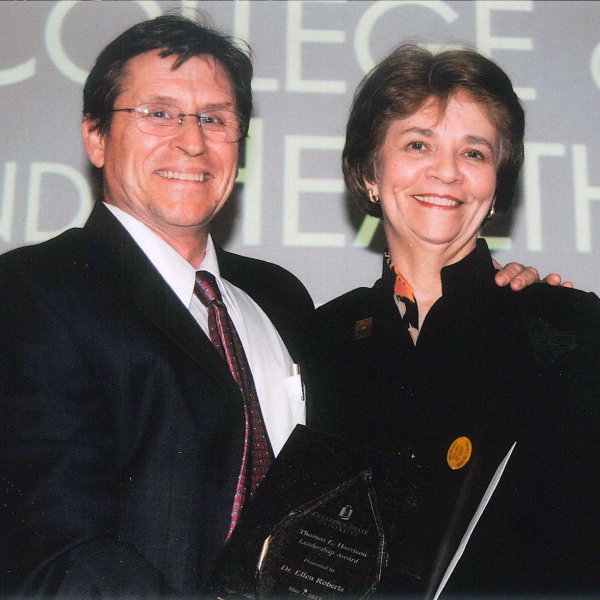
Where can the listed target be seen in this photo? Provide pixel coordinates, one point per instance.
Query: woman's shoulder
(559, 304)
(558, 321)
(351, 306)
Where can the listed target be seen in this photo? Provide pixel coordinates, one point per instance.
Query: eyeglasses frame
(181, 117)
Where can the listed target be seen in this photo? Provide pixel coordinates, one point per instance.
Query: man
(125, 445)
(123, 428)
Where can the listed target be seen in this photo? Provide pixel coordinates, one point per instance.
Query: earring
(373, 197)
(492, 212)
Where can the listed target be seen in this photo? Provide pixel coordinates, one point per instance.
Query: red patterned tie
(225, 339)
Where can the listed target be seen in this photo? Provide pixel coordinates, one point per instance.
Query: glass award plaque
(332, 546)
(322, 524)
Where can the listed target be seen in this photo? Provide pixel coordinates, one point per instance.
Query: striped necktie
(258, 454)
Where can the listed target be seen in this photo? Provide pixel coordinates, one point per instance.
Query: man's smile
(185, 176)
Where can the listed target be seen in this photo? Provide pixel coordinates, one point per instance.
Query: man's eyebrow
(161, 98)
(220, 105)
(226, 105)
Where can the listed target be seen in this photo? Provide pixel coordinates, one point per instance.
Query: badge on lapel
(362, 328)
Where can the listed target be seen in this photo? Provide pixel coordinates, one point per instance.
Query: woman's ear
(94, 142)
(372, 189)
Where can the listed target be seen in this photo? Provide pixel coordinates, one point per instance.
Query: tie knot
(206, 288)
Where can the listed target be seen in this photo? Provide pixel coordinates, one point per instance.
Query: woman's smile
(436, 176)
(438, 200)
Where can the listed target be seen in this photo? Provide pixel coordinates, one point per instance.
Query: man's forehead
(151, 72)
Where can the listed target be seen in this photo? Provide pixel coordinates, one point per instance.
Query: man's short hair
(174, 36)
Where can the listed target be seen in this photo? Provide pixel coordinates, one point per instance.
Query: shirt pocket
(295, 389)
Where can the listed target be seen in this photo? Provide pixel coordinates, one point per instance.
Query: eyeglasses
(164, 119)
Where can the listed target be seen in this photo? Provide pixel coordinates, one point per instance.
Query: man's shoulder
(236, 265)
(281, 295)
(49, 274)
(259, 277)
(47, 259)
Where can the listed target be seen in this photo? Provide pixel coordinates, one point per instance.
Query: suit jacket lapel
(144, 286)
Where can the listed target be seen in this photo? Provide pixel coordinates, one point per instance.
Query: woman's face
(436, 175)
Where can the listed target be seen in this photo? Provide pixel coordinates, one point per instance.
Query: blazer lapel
(145, 287)
(160, 304)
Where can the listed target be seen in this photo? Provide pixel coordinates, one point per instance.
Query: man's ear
(94, 142)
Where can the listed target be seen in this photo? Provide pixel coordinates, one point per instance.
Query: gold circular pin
(459, 452)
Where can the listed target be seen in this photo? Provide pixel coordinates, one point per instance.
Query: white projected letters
(295, 185)
(53, 36)
(8, 200)
(533, 197)
(486, 42)
(309, 56)
(54, 46)
(242, 31)
(32, 230)
(298, 36)
(595, 65)
(252, 177)
(376, 10)
(366, 232)
(189, 8)
(584, 193)
(18, 74)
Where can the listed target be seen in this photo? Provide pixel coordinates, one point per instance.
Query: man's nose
(189, 136)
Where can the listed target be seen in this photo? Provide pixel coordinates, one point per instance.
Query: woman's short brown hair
(398, 87)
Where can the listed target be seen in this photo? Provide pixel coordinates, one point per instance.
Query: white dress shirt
(279, 391)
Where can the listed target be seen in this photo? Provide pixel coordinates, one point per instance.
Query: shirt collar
(462, 279)
(174, 269)
(464, 284)
(402, 288)
(466, 279)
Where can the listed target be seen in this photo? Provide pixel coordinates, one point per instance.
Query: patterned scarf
(405, 300)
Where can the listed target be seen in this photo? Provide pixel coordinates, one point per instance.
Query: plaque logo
(346, 512)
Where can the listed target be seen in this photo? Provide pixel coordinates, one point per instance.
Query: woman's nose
(444, 167)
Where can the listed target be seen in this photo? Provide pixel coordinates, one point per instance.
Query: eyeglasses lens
(165, 120)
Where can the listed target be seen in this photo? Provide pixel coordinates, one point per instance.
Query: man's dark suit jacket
(498, 367)
(122, 429)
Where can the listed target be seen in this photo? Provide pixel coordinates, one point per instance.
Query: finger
(568, 284)
(509, 272)
(526, 277)
(552, 279)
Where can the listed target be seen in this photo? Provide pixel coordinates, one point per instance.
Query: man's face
(174, 184)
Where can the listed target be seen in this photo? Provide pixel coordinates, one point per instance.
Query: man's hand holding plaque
(320, 524)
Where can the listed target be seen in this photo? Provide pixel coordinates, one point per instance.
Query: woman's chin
(439, 239)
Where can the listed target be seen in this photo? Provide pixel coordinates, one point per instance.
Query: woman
(478, 384)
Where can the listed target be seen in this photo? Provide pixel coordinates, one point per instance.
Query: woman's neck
(421, 266)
